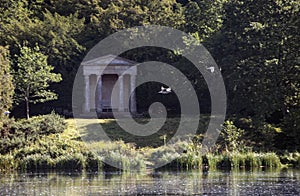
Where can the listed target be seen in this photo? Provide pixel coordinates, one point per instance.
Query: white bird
(234, 88)
(7, 112)
(165, 90)
(212, 69)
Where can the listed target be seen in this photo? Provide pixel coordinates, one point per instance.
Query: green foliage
(16, 134)
(7, 162)
(47, 124)
(232, 136)
(247, 160)
(33, 76)
(119, 154)
(203, 18)
(70, 162)
(35, 162)
(259, 51)
(290, 131)
(6, 85)
(291, 159)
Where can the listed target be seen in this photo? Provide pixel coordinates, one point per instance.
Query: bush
(232, 137)
(6, 126)
(6, 162)
(16, 134)
(47, 124)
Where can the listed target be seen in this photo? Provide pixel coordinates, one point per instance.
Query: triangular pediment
(108, 60)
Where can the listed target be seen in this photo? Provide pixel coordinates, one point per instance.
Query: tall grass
(213, 161)
(270, 160)
(243, 160)
(118, 154)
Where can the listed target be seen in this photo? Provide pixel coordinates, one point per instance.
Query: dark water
(284, 182)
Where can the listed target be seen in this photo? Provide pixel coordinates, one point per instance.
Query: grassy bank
(66, 151)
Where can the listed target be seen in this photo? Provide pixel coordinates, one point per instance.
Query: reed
(191, 161)
(270, 160)
(253, 160)
(74, 161)
(214, 161)
(35, 162)
(237, 160)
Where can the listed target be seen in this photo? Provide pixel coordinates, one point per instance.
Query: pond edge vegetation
(49, 142)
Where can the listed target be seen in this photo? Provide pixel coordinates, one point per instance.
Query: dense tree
(203, 18)
(259, 55)
(258, 50)
(6, 85)
(33, 76)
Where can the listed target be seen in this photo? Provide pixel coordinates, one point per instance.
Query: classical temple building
(100, 81)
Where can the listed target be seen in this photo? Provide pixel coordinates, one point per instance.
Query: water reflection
(276, 182)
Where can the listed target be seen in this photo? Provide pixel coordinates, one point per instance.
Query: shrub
(6, 162)
(232, 136)
(48, 124)
(291, 159)
(6, 126)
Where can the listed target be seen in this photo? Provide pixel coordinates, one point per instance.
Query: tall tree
(258, 49)
(33, 76)
(259, 52)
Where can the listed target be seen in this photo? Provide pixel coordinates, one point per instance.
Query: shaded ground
(92, 130)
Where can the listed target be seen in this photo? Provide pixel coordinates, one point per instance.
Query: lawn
(92, 130)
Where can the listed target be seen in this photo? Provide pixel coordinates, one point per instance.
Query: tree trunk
(27, 108)
(27, 102)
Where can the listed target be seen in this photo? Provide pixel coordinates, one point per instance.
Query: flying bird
(212, 69)
(234, 88)
(7, 112)
(165, 90)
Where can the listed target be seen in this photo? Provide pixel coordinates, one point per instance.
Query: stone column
(132, 97)
(99, 93)
(87, 94)
(121, 94)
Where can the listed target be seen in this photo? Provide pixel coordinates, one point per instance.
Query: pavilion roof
(108, 60)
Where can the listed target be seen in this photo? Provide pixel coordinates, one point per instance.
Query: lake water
(282, 182)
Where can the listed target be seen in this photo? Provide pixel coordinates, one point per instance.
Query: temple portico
(100, 81)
